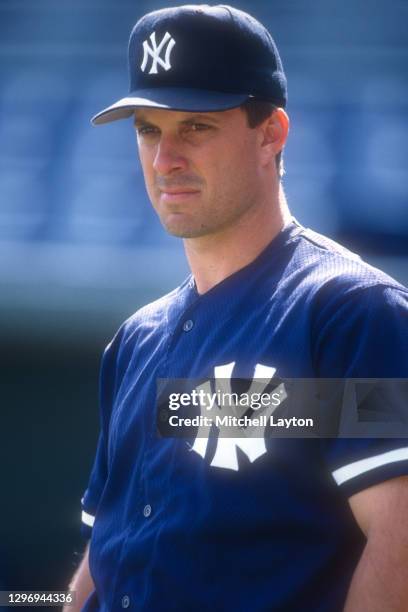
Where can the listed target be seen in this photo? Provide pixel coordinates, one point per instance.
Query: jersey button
(189, 324)
(125, 601)
(147, 510)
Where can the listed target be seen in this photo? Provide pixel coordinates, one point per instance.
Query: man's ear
(273, 133)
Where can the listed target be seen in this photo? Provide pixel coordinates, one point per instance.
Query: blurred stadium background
(80, 249)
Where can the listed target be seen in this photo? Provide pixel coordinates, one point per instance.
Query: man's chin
(180, 230)
(184, 233)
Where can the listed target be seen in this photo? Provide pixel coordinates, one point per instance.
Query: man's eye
(144, 130)
(199, 127)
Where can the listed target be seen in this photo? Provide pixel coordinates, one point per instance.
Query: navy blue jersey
(223, 526)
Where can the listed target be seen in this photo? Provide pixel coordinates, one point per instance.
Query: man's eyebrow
(138, 121)
(194, 118)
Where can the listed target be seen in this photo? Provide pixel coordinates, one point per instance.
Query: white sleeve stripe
(365, 465)
(87, 519)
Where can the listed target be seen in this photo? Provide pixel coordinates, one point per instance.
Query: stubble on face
(210, 183)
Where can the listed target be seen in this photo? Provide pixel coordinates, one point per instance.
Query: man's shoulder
(155, 309)
(155, 314)
(325, 264)
(357, 312)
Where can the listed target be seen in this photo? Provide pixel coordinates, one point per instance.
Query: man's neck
(214, 258)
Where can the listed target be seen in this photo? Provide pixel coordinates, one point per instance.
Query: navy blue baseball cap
(199, 58)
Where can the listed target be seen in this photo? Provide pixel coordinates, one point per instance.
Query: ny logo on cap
(154, 51)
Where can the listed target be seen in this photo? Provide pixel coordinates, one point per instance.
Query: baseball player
(273, 524)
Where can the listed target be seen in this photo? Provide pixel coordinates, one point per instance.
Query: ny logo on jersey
(154, 52)
(254, 444)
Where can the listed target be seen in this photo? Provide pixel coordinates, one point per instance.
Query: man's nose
(169, 156)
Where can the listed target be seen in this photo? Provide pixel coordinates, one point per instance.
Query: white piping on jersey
(88, 519)
(347, 472)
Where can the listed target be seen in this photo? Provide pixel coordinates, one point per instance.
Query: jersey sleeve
(108, 379)
(358, 463)
(365, 336)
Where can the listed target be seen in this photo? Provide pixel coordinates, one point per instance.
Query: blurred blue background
(80, 248)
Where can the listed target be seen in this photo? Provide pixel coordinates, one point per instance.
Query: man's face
(200, 169)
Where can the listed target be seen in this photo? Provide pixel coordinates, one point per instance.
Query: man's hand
(380, 582)
(82, 584)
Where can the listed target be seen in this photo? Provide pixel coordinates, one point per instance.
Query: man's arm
(82, 584)
(380, 581)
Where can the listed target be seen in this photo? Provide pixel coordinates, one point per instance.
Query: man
(311, 525)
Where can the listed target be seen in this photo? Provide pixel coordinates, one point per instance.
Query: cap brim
(194, 100)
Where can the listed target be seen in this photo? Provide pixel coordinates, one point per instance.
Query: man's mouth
(177, 194)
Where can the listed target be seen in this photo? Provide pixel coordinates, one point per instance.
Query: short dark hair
(257, 111)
